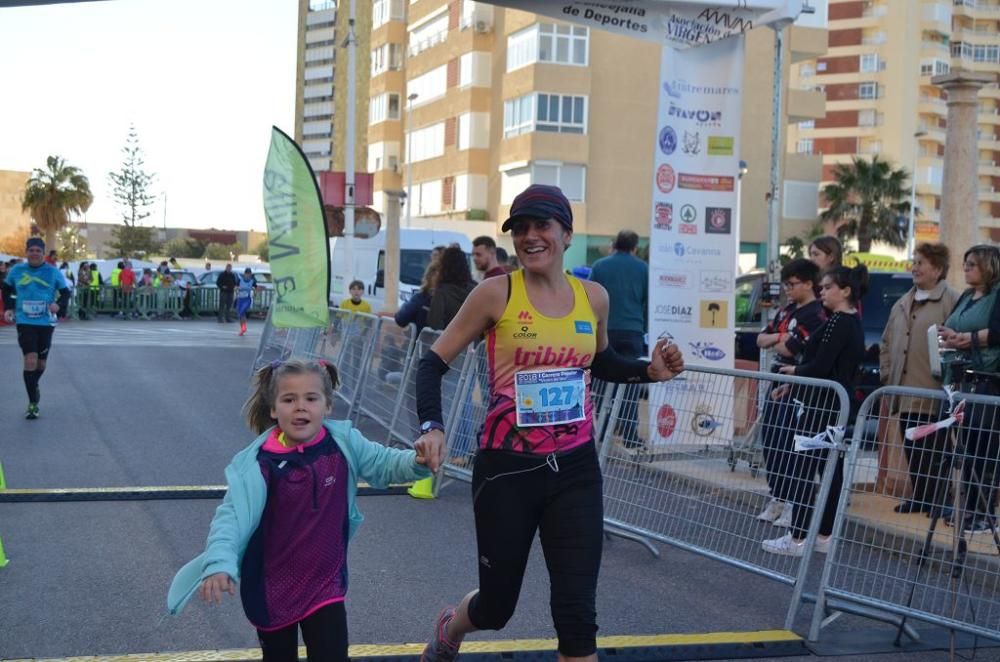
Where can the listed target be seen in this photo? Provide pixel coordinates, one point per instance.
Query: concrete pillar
(960, 188)
(391, 279)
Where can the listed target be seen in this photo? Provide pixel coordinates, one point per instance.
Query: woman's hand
(430, 449)
(667, 362)
(780, 392)
(214, 586)
(953, 340)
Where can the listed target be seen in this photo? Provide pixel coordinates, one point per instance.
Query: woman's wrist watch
(427, 426)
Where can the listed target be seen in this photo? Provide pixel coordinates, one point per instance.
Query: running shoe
(32, 412)
(441, 649)
(823, 544)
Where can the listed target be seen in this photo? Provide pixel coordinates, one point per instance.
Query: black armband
(63, 301)
(611, 366)
(429, 373)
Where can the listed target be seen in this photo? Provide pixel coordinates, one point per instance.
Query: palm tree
(55, 194)
(867, 201)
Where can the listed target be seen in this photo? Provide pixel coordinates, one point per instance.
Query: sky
(203, 81)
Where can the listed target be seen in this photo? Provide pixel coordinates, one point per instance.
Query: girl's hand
(787, 370)
(214, 586)
(667, 363)
(430, 449)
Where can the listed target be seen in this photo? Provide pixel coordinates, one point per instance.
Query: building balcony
(989, 116)
(806, 43)
(988, 194)
(977, 9)
(806, 105)
(991, 168)
(932, 106)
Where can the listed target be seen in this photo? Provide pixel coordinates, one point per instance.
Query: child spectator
(289, 512)
(356, 304)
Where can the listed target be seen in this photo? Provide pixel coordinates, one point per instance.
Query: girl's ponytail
(257, 408)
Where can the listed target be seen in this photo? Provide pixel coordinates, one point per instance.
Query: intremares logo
(550, 356)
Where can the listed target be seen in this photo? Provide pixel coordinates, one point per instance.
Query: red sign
(665, 178)
(666, 421)
(706, 182)
(331, 187)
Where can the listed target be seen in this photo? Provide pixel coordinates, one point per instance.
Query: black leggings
(567, 508)
(324, 633)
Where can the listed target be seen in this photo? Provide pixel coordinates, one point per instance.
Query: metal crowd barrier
(668, 451)
(668, 475)
(939, 563)
(156, 302)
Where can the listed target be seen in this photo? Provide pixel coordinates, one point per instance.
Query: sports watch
(427, 426)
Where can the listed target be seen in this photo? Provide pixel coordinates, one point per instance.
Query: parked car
(184, 278)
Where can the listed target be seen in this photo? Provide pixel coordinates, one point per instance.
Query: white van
(415, 247)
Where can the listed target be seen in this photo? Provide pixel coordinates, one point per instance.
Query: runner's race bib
(35, 308)
(548, 397)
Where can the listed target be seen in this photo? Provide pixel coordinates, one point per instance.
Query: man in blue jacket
(34, 296)
(626, 278)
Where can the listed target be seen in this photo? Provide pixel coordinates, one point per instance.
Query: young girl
(289, 512)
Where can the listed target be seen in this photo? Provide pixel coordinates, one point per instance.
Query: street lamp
(744, 169)
(911, 229)
(409, 159)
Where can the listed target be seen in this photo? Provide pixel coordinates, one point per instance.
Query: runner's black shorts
(35, 339)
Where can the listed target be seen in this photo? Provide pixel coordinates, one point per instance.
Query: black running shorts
(35, 339)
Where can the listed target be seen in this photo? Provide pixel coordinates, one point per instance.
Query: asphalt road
(143, 404)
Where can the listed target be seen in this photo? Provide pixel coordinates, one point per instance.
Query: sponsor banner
(296, 237)
(693, 272)
(675, 23)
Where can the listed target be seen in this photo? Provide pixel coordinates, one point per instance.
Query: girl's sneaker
(785, 520)
(441, 648)
(772, 512)
(32, 412)
(785, 546)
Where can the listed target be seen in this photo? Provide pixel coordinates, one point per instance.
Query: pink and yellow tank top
(522, 340)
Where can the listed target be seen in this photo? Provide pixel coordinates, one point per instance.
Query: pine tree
(131, 191)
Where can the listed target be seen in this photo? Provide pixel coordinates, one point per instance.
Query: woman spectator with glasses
(904, 360)
(973, 330)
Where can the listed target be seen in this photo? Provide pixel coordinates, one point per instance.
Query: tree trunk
(865, 233)
(50, 241)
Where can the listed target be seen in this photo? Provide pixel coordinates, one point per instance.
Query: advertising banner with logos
(677, 23)
(694, 235)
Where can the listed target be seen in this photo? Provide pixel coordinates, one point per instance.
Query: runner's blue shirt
(36, 288)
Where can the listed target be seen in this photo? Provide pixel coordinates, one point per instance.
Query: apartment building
(314, 98)
(14, 223)
(467, 103)
(880, 100)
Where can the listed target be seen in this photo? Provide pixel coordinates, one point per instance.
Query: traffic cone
(3, 557)
(422, 489)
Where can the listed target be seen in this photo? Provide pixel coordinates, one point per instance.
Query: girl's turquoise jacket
(239, 514)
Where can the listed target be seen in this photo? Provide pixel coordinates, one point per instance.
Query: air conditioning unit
(482, 27)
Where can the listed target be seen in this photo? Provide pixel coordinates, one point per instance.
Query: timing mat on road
(166, 492)
(715, 645)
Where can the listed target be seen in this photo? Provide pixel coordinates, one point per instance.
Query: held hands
(214, 586)
(951, 339)
(667, 361)
(53, 308)
(430, 449)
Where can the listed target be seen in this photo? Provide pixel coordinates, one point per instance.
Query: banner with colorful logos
(694, 234)
(678, 23)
